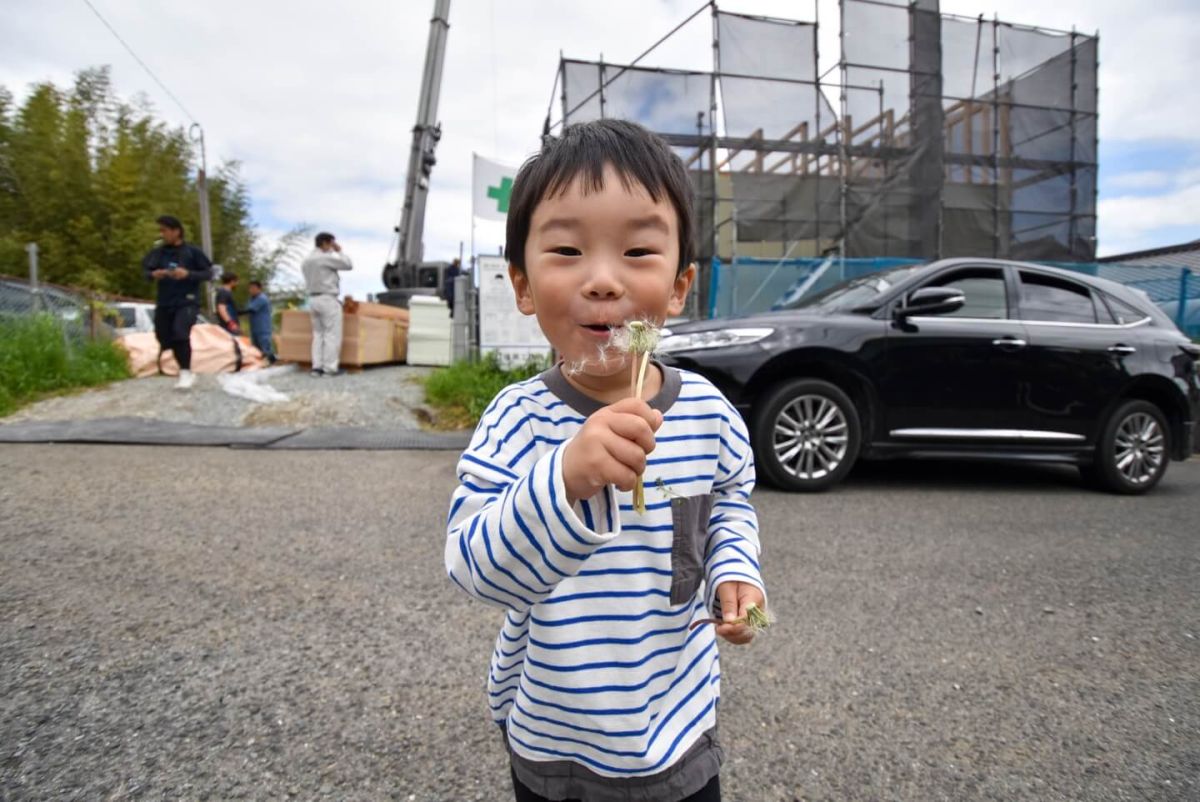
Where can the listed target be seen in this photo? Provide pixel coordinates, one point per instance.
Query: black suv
(967, 358)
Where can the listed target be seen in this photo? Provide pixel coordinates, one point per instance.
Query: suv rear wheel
(806, 435)
(1133, 451)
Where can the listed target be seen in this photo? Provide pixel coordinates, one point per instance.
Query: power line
(136, 58)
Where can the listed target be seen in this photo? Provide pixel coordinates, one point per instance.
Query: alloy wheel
(810, 437)
(1140, 448)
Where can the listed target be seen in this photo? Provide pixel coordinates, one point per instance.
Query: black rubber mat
(146, 431)
(374, 439)
(140, 431)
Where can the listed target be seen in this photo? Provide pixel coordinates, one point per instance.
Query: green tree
(84, 174)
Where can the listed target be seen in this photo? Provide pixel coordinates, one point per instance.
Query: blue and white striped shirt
(593, 663)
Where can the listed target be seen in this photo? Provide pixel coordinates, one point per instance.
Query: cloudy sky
(317, 99)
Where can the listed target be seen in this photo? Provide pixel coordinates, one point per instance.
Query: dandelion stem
(756, 618)
(639, 338)
(639, 489)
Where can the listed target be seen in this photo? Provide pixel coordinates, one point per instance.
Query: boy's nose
(602, 283)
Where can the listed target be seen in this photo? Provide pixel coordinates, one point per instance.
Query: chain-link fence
(80, 312)
(53, 339)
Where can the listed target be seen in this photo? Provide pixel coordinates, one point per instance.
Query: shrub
(461, 392)
(38, 357)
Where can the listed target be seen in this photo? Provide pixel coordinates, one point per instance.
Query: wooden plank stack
(372, 334)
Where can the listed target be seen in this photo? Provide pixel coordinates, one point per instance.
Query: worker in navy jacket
(178, 269)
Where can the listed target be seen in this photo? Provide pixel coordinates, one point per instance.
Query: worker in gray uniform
(321, 270)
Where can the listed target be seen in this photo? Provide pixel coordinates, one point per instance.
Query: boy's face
(255, 290)
(597, 261)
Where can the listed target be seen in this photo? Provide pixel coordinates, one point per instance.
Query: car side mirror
(930, 301)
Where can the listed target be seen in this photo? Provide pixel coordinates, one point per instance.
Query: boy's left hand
(734, 597)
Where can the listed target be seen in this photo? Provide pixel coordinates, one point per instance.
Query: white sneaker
(186, 380)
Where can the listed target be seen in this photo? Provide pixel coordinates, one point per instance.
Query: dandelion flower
(638, 338)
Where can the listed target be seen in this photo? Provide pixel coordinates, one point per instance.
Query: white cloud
(1140, 180)
(317, 100)
(1130, 223)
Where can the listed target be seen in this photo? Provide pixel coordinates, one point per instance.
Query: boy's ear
(520, 282)
(683, 283)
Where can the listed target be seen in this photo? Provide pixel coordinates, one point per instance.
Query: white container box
(430, 331)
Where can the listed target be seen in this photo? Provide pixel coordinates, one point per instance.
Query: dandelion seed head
(639, 336)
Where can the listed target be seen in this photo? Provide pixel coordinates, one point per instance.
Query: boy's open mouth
(598, 330)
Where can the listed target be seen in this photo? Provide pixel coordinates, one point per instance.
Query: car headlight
(717, 338)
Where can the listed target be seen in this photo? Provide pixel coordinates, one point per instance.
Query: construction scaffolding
(950, 136)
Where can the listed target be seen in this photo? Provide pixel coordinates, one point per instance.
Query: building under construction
(934, 135)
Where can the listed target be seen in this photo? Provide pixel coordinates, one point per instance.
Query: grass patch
(37, 359)
(460, 393)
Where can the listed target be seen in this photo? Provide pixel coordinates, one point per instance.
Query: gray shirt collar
(586, 405)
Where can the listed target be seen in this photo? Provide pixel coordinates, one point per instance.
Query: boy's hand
(610, 448)
(734, 597)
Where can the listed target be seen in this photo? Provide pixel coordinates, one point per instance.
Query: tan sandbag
(213, 351)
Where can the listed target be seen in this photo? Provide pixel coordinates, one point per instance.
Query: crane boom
(401, 276)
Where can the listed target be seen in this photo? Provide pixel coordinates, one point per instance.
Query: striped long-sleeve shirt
(595, 663)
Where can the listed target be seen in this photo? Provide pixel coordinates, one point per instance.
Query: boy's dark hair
(256, 283)
(637, 155)
(323, 238)
(168, 221)
(228, 278)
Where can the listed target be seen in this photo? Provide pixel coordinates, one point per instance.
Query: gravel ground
(381, 397)
(284, 628)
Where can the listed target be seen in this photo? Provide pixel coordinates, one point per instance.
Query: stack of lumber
(398, 316)
(372, 334)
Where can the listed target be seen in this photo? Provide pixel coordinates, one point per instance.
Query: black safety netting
(938, 136)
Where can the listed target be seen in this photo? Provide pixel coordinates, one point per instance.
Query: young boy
(600, 685)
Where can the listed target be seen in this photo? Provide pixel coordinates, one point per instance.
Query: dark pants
(173, 328)
(709, 793)
(262, 341)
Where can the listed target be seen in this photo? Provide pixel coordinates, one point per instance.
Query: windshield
(856, 292)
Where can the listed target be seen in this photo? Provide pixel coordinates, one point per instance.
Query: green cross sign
(501, 194)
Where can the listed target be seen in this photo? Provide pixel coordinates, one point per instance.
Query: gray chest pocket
(689, 518)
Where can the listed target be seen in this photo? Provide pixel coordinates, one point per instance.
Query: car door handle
(1009, 342)
(1124, 350)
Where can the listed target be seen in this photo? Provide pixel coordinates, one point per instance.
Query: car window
(983, 289)
(128, 317)
(1055, 300)
(1123, 312)
(855, 292)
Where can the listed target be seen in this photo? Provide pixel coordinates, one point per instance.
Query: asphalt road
(216, 624)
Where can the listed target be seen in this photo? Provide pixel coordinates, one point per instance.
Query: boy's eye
(566, 250)
(635, 252)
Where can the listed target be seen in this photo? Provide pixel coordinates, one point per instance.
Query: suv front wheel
(1133, 451)
(806, 435)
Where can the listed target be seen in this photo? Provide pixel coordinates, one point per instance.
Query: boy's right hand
(610, 448)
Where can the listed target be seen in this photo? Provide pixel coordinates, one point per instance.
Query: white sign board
(502, 327)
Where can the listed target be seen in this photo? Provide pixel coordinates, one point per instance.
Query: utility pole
(197, 135)
(34, 289)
